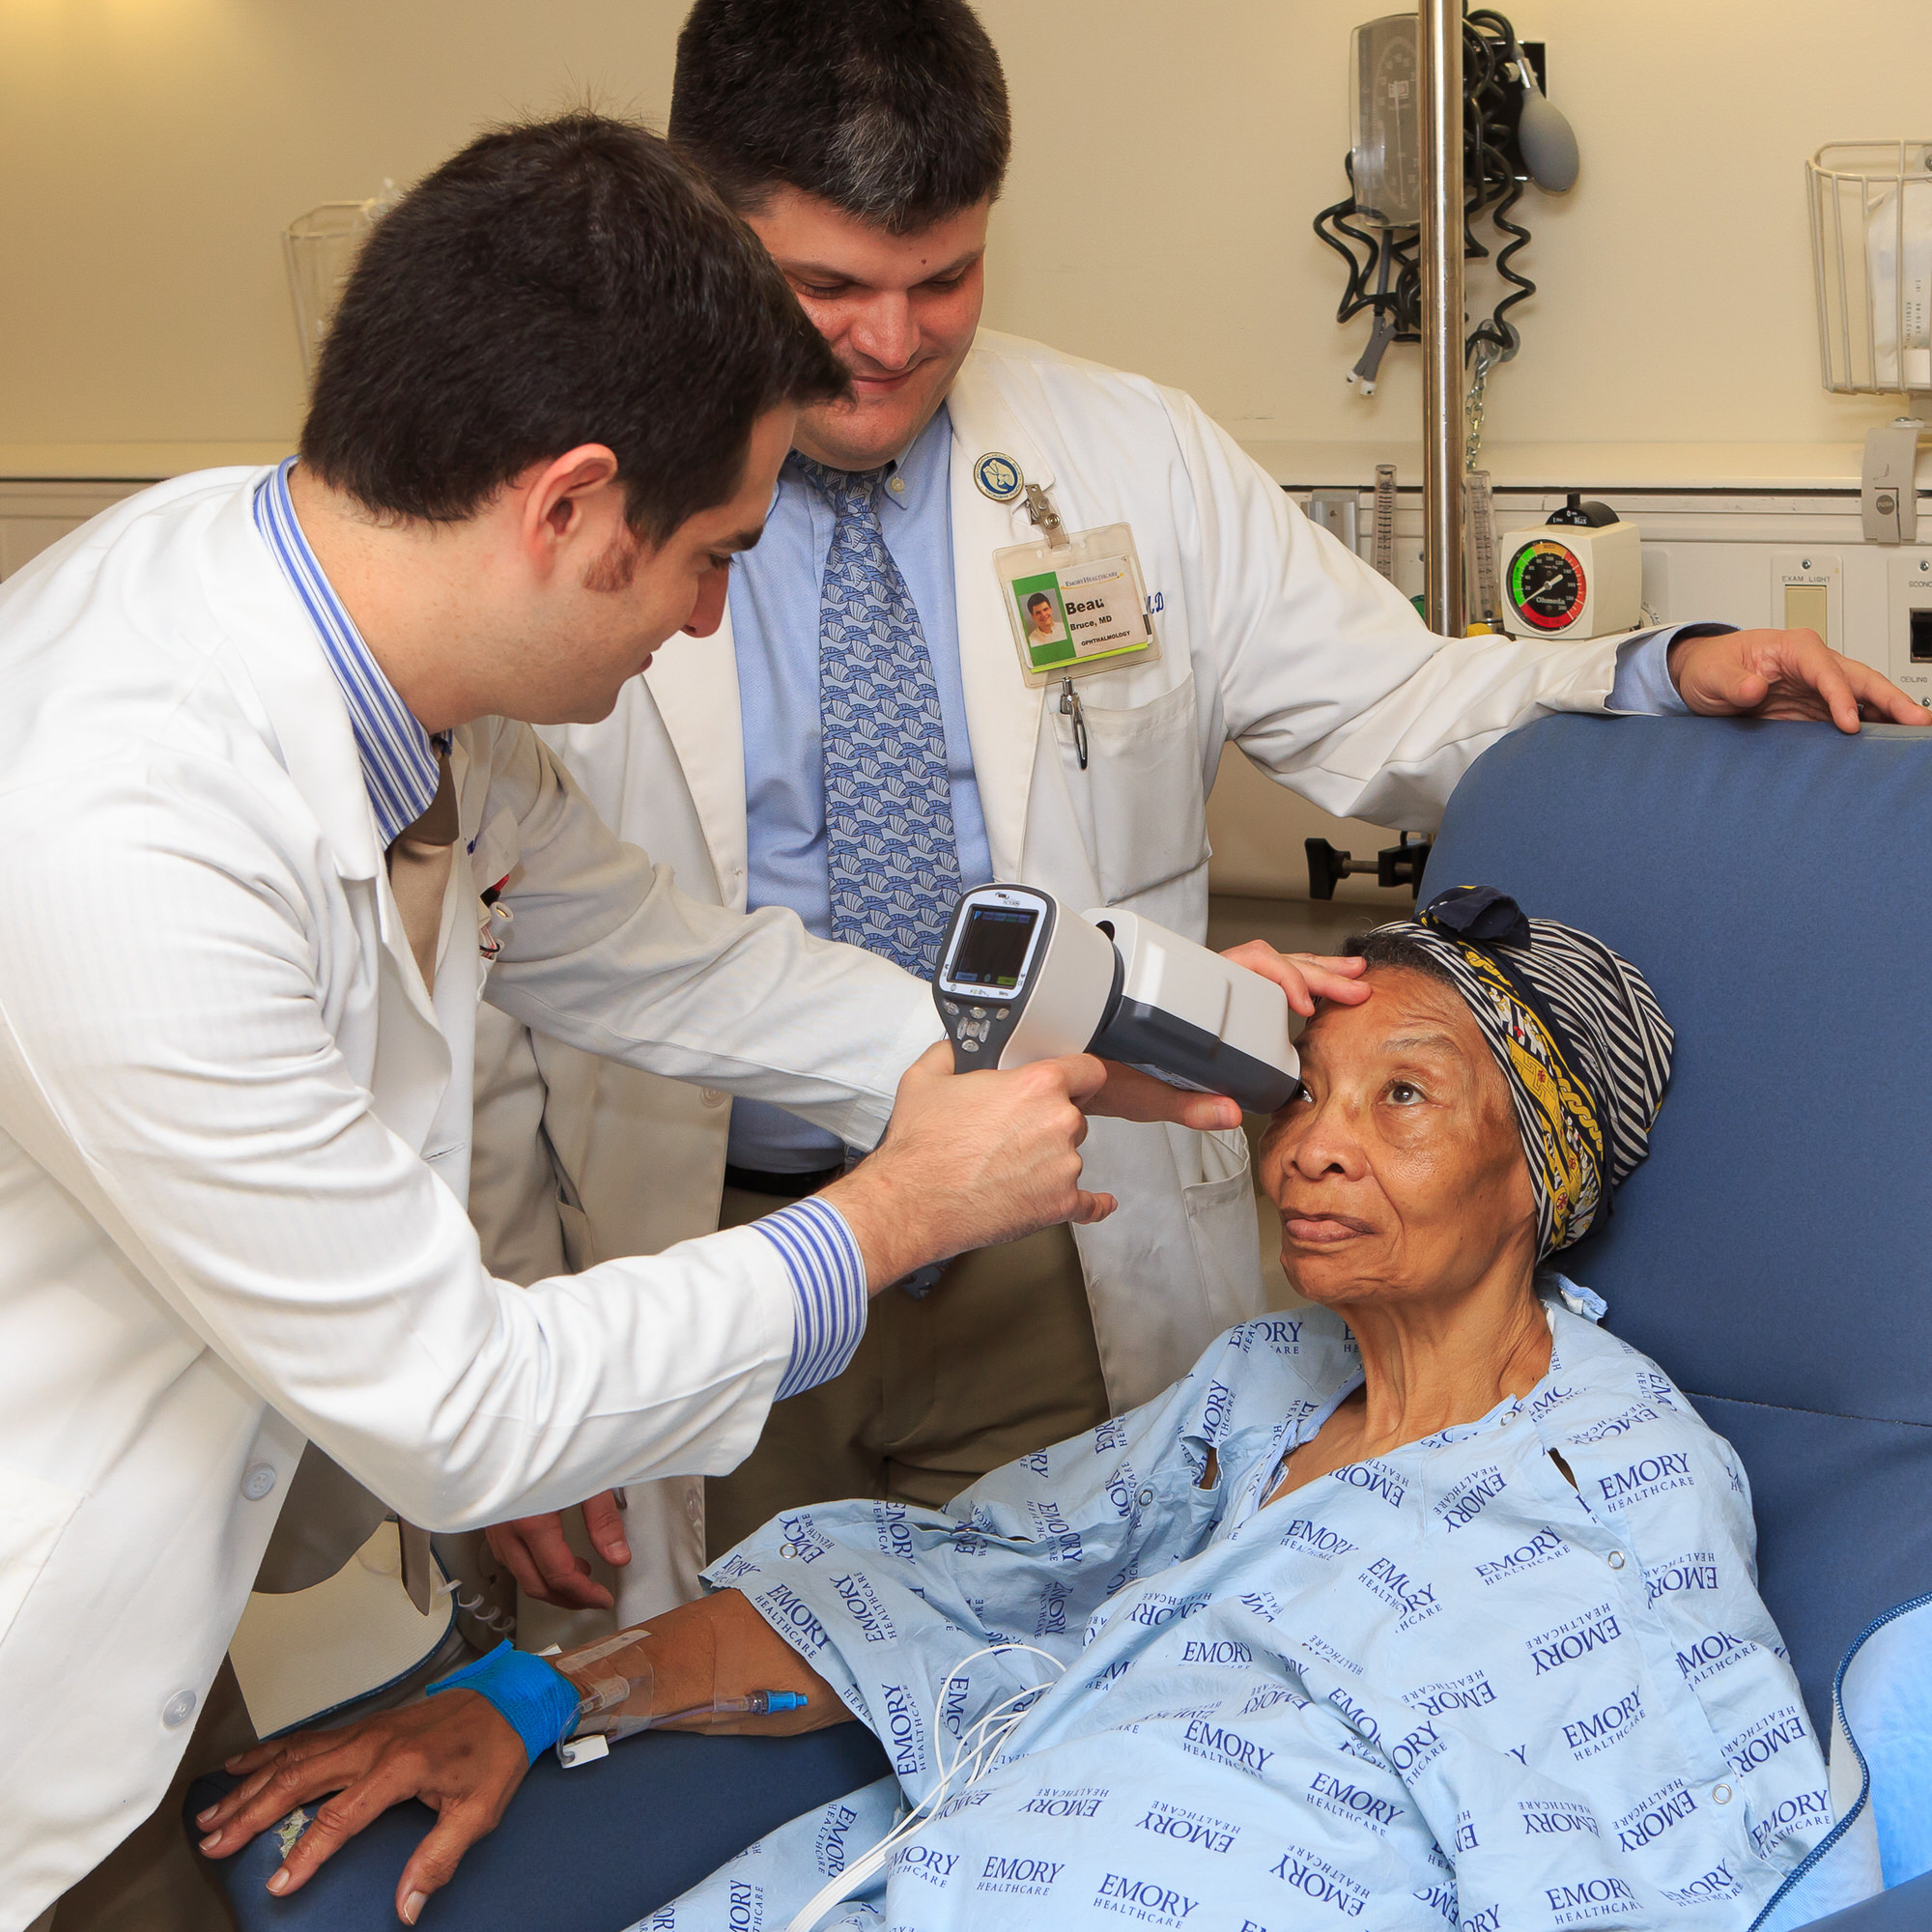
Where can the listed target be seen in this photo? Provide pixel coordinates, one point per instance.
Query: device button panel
(978, 1030)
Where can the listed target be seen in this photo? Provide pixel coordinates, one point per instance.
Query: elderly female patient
(1431, 1603)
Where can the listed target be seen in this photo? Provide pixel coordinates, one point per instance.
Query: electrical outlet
(1909, 614)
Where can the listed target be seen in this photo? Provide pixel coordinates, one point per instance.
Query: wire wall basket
(1871, 257)
(320, 248)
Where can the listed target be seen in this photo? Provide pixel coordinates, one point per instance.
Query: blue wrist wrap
(538, 1702)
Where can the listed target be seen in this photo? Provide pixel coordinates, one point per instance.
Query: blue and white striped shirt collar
(398, 759)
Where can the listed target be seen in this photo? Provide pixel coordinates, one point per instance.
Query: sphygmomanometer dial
(1547, 586)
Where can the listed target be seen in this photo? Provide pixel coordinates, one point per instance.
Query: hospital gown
(1438, 1687)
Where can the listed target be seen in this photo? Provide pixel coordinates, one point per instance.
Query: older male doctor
(864, 141)
(267, 837)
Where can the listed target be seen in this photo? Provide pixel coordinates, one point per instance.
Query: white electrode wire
(995, 1733)
(983, 1739)
(916, 1820)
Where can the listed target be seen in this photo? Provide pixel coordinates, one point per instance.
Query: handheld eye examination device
(1021, 978)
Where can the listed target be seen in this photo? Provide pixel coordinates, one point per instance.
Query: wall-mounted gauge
(1547, 585)
(1385, 121)
(1580, 575)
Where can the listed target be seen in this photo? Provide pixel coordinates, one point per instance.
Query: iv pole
(1440, 37)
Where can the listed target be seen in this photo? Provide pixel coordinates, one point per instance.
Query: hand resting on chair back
(1432, 1600)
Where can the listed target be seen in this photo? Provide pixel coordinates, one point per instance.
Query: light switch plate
(1808, 592)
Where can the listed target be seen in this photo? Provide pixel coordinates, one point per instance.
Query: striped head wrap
(1582, 1044)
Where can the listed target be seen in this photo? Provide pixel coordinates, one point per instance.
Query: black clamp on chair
(1393, 865)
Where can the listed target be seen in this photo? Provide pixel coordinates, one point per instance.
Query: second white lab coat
(234, 1140)
(1272, 635)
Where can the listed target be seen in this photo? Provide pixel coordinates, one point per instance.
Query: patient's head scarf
(1579, 1036)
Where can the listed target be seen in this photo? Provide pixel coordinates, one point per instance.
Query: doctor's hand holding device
(1022, 978)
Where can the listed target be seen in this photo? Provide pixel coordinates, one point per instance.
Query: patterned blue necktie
(889, 838)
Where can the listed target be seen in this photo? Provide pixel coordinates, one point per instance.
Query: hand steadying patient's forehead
(1398, 1170)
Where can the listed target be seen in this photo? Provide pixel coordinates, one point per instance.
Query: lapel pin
(998, 476)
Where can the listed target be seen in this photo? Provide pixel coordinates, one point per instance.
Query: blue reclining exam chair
(1775, 884)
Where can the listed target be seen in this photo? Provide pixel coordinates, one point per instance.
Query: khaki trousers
(999, 1360)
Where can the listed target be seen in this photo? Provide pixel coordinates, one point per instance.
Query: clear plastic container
(320, 248)
(1871, 257)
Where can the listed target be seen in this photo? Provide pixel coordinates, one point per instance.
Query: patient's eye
(1405, 1093)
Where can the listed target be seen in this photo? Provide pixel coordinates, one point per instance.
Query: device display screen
(992, 946)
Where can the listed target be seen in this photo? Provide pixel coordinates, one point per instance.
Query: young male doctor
(269, 836)
(864, 141)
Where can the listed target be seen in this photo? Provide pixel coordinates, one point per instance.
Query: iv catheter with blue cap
(617, 1704)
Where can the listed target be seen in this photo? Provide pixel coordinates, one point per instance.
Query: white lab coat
(1272, 635)
(234, 1140)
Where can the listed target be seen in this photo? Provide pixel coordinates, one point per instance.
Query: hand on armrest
(459, 1755)
(456, 1752)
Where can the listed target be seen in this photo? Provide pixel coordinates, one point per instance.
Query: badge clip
(1045, 517)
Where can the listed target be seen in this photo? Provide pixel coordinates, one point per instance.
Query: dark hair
(891, 110)
(563, 282)
(1040, 597)
(1397, 949)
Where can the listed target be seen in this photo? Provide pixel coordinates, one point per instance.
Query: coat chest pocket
(1141, 800)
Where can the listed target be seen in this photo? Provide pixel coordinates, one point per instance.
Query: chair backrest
(1774, 882)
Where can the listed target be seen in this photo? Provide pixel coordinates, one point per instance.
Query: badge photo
(1044, 615)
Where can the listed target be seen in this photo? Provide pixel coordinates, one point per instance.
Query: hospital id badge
(1078, 607)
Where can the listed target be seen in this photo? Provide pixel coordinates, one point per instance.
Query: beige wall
(1170, 156)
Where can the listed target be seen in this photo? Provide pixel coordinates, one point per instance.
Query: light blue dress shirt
(399, 768)
(775, 599)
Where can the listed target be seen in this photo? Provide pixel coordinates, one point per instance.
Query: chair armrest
(1905, 1908)
(602, 1845)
